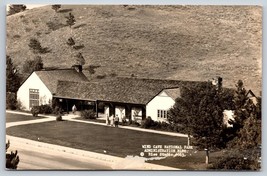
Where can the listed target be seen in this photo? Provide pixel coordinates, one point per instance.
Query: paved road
(35, 158)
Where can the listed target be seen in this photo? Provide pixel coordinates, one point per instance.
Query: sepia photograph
(133, 87)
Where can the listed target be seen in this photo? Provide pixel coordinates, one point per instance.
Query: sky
(29, 6)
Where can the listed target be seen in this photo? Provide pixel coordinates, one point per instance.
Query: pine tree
(249, 135)
(200, 112)
(56, 7)
(13, 9)
(71, 41)
(35, 45)
(207, 125)
(30, 66)
(13, 78)
(12, 159)
(70, 20)
(80, 59)
(241, 109)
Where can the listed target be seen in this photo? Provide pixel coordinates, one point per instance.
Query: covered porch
(131, 112)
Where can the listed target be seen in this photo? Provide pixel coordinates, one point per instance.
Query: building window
(162, 114)
(34, 97)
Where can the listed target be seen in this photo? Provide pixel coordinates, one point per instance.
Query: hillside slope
(171, 42)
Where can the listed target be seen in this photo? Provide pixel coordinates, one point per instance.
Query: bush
(134, 123)
(35, 111)
(11, 101)
(57, 110)
(45, 109)
(147, 123)
(59, 118)
(12, 159)
(88, 114)
(235, 161)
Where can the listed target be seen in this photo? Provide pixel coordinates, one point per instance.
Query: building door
(120, 111)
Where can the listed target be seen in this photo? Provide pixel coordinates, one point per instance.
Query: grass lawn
(10, 117)
(116, 141)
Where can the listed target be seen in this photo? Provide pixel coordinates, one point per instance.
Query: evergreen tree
(13, 9)
(71, 41)
(35, 45)
(70, 20)
(240, 102)
(56, 7)
(207, 125)
(80, 59)
(13, 78)
(33, 65)
(12, 159)
(200, 112)
(249, 136)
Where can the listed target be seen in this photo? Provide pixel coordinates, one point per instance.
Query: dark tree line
(13, 9)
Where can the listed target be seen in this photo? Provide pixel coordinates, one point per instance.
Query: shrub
(236, 161)
(12, 159)
(11, 101)
(124, 121)
(57, 110)
(88, 114)
(45, 109)
(19, 105)
(101, 76)
(147, 123)
(231, 163)
(35, 111)
(59, 118)
(134, 123)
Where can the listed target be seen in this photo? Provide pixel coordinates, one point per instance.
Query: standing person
(112, 120)
(116, 120)
(74, 109)
(107, 120)
(123, 120)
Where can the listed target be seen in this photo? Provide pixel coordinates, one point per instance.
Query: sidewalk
(47, 119)
(72, 117)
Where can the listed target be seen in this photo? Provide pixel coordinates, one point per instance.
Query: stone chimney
(78, 68)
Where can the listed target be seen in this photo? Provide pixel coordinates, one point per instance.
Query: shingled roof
(51, 77)
(173, 92)
(124, 90)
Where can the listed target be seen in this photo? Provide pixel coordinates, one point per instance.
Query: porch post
(143, 112)
(67, 106)
(96, 108)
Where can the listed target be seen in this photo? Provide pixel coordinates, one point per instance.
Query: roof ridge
(156, 79)
(54, 69)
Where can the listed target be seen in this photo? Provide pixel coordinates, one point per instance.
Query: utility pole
(207, 156)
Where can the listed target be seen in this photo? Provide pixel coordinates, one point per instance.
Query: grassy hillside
(173, 42)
